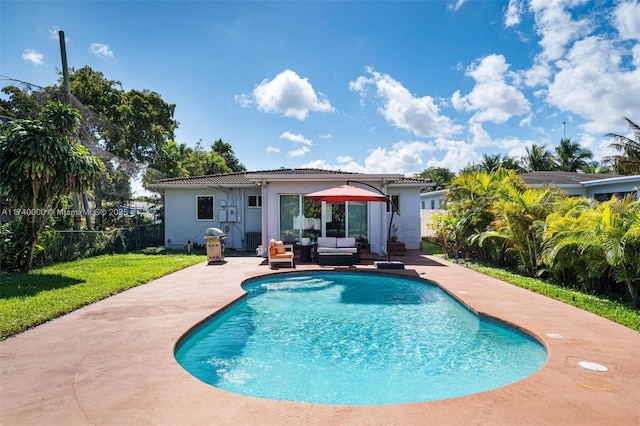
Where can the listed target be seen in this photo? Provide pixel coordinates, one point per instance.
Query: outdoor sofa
(330, 248)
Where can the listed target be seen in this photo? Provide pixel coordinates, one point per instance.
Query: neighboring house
(597, 186)
(431, 204)
(432, 200)
(254, 207)
(600, 187)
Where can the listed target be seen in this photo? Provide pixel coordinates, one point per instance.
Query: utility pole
(66, 85)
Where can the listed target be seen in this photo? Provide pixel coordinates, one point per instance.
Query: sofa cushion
(327, 242)
(345, 250)
(346, 242)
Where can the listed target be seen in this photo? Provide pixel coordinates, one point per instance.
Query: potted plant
(394, 237)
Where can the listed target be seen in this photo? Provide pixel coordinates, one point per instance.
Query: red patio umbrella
(346, 193)
(351, 193)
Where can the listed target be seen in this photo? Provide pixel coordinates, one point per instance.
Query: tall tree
(440, 176)
(538, 158)
(39, 162)
(628, 161)
(491, 163)
(571, 157)
(224, 150)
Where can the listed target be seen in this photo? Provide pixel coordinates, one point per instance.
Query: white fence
(427, 228)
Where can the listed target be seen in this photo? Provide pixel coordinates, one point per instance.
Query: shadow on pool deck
(112, 362)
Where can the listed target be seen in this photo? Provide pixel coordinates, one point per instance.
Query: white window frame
(258, 202)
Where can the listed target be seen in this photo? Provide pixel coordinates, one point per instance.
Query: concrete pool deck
(111, 363)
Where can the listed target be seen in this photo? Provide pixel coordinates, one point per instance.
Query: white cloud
(626, 18)
(33, 57)
(286, 94)
(54, 34)
(326, 136)
(272, 149)
(100, 49)
(457, 5)
(403, 157)
(298, 138)
(479, 136)
(420, 116)
(539, 74)
(458, 154)
(592, 84)
(492, 98)
(344, 159)
(351, 166)
(513, 14)
(555, 26)
(298, 152)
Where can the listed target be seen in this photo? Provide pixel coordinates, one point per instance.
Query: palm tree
(607, 235)
(440, 176)
(518, 215)
(628, 162)
(490, 163)
(469, 202)
(538, 158)
(571, 157)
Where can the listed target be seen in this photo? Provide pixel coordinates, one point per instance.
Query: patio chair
(280, 253)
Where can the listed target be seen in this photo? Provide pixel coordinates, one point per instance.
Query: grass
(27, 300)
(614, 310)
(431, 248)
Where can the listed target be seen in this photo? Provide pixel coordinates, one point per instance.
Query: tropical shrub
(517, 218)
(574, 241)
(606, 240)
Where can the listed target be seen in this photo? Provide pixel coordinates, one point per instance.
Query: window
(301, 217)
(433, 204)
(254, 201)
(205, 207)
(395, 198)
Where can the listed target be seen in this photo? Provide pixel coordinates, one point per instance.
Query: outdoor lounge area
(112, 362)
(336, 251)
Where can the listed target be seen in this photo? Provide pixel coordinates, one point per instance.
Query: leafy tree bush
(39, 162)
(578, 242)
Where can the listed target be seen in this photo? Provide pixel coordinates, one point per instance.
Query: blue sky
(375, 87)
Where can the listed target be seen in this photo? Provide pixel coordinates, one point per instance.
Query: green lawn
(622, 313)
(27, 300)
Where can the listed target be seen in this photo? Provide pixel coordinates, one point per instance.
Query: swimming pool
(355, 338)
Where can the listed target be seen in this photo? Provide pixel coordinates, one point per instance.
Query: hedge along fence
(60, 246)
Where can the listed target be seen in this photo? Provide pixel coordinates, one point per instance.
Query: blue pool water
(354, 338)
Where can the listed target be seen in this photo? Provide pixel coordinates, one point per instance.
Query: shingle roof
(242, 178)
(225, 179)
(562, 178)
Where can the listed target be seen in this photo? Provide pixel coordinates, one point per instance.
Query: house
(254, 207)
(431, 204)
(600, 187)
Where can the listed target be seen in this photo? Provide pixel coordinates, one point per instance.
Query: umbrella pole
(394, 209)
(389, 234)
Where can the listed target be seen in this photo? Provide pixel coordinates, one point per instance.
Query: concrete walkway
(112, 363)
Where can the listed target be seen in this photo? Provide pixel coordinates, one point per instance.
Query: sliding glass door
(302, 217)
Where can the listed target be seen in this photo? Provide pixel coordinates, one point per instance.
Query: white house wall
(180, 216)
(615, 186)
(408, 222)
